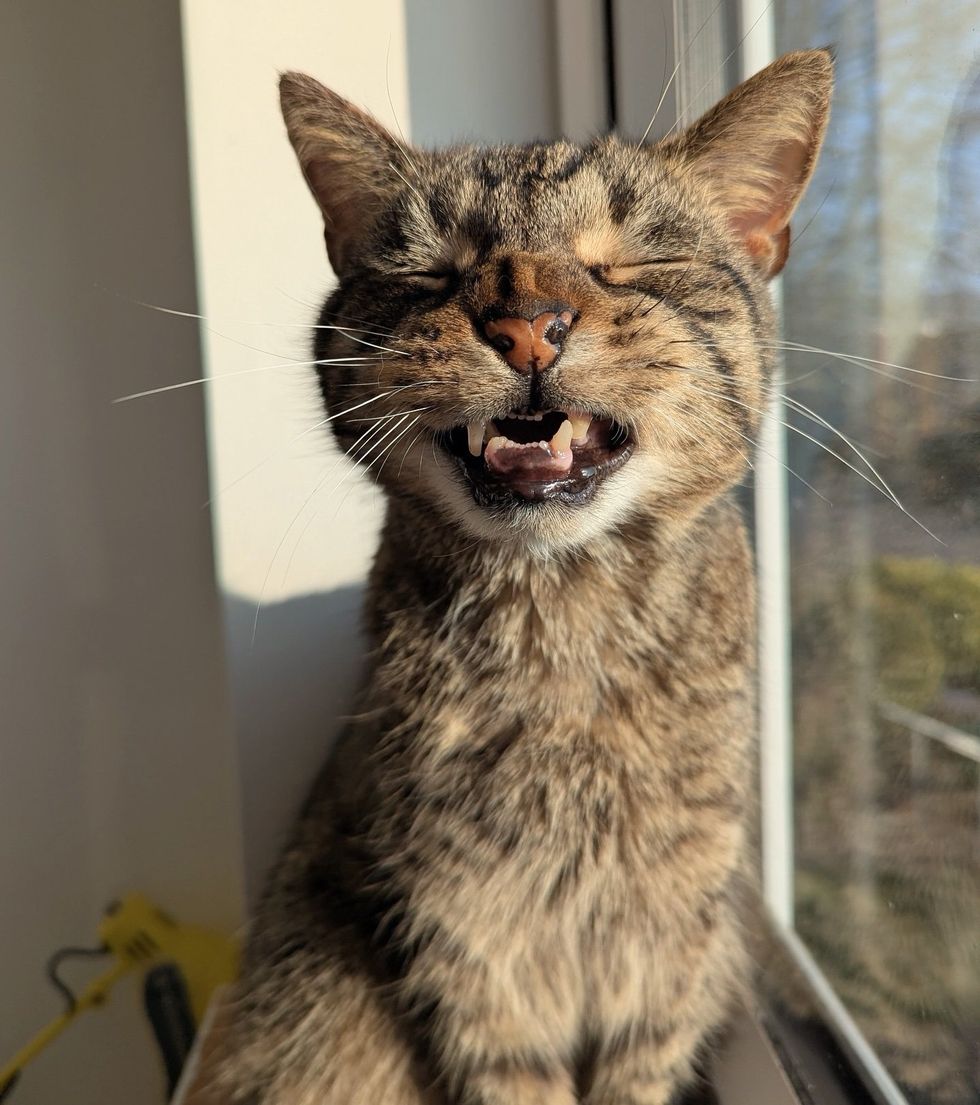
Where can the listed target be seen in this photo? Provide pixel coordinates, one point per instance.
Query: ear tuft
(346, 156)
(756, 150)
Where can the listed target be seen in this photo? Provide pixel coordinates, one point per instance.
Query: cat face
(538, 342)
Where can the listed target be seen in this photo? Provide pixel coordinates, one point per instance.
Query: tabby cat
(515, 881)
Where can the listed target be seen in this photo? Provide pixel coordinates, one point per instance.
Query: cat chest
(563, 849)
(560, 817)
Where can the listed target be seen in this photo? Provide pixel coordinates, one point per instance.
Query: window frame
(847, 1058)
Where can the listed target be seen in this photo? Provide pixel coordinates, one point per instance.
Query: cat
(516, 881)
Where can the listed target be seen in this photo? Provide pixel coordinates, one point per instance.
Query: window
(870, 549)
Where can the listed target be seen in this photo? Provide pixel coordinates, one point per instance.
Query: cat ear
(348, 159)
(756, 149)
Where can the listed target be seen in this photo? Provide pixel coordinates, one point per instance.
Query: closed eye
(438, 280)
(624, 274)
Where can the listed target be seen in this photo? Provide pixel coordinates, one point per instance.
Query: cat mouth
(539, 456)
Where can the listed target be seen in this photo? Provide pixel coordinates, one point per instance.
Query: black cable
(57, 982)
(168, 1005)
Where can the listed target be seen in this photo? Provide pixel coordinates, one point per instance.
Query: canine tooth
(580, 423)
(562, 441)
(474, 435)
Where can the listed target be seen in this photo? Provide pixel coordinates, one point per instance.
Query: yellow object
(140, 935)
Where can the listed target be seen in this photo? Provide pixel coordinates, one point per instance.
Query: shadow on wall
(292, 690)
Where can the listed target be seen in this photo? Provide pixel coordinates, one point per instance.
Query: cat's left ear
(756, 149)
(349, 160)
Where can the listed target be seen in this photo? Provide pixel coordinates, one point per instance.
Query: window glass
(885, 598)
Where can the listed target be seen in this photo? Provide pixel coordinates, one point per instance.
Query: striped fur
(515, 880)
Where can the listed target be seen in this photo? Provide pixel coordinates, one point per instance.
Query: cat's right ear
(349, 160)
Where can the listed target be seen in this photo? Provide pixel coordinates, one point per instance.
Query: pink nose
(530, 346)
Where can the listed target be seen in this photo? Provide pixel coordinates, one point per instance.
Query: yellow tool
(184, 965)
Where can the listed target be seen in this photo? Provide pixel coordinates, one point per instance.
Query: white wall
(262, 272)
(116, 755)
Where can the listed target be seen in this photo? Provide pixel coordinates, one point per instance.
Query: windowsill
(769, 1058)
(748, 1069)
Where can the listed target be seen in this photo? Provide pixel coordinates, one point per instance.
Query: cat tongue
(539, 460)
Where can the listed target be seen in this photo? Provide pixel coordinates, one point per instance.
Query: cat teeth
(574, 428)
(562, 441)
(474, 435)
(580, 423)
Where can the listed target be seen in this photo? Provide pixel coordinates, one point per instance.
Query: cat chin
(546, 529)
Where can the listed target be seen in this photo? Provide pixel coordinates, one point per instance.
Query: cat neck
(432, 580)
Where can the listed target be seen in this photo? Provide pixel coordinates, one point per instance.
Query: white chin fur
(544, 529)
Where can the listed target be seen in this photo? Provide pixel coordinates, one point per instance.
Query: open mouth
(539, 456)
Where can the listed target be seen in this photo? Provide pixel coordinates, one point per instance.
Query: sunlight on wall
(261, 261)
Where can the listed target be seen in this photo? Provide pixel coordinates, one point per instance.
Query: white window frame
(758, 49)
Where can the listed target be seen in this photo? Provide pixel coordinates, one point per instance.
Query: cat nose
(530, 345)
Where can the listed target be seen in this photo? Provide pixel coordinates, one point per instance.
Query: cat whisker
(790, 346)
(314, 513)
(380, 416)
(309, 498)
(810, 220)
(362, 440)
(768, 391)
(813, 416)
(299, 540)
(792, 381)
(881, 487)
(408, 449)
(363, 341)
(337, 315)
(352, 329)
(388, 450)
(408, 183)
(394, 114)
(670, 81)
(390, 429)
(265, 460)
(697, 96)
(372, 383)
(853, 358)
(286, 445)
(720, 424)
(246, 321)
(231, 375)
(359, 321)
(282, 540)
(362, 456)
(772, 394)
